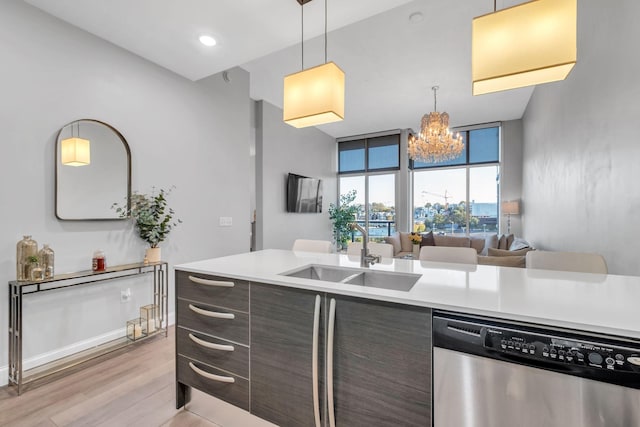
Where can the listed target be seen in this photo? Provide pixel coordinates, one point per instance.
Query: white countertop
(608, 304)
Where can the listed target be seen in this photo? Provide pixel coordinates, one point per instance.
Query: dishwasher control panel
(610, 359)
(561, 349)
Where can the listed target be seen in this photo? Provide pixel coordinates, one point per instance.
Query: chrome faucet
(366, 259)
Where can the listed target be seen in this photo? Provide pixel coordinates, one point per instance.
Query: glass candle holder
(134, 329)
(149, 318)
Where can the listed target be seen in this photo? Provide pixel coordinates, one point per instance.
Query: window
(483, 199)
(439, 200)
(370, 166)
(378, 153)
(460, 195)
(352, 156)
(480, 146)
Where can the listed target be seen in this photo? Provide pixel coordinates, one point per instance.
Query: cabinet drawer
(236, 393)
(212, 290)
(228, 356)
(200, 317)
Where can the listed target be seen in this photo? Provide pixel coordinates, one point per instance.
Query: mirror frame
(57, 165)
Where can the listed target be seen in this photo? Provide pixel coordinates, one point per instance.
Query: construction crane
(446, 196)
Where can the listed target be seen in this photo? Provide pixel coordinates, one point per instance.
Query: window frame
(365, 139)
(368, 172)
(469, 142)
(467, 165)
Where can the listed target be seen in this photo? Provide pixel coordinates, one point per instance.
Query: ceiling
(390, 61)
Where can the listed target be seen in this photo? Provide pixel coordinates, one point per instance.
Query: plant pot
(153, 255)
(416, 251)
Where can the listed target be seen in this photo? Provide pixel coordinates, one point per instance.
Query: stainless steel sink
(381, 279)
(321, 272)
(353, 276)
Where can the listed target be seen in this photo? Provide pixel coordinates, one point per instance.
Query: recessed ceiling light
(416, 17)
(207, 40)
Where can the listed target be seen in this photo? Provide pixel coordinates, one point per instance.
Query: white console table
(17, 290)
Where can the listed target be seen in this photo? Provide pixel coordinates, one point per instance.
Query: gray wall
(191, 135)
(281, 149)
(511, 173)
(581, 147)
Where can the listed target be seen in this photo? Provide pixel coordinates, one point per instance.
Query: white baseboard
(59, 353)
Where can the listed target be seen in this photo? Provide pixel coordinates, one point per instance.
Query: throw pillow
(502, 242)
(490, 242)
(477, 244)
(510, 238)
(427, 239)
(506, 253)
(405, 242)
(519, 243)
(394, 240)
(503, 261)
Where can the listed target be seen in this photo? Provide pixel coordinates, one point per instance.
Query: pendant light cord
(325, 31)
(435, 97)
(302, 33)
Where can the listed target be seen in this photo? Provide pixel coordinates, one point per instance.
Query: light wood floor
(134, 388)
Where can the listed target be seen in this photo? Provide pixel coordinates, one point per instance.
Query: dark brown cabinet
(282, 366)
(381, 363)
(374, 360)
(302, 358)
(212, 338)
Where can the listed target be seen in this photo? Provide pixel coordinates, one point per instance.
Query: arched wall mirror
(93, 171)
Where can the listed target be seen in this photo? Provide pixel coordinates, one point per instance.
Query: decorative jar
(99, 261)
(27, 247)
(36, 273)
(46, 256)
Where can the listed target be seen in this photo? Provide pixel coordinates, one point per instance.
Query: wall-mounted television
(304, 194)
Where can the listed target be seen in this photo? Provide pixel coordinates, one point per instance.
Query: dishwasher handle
(453, 333)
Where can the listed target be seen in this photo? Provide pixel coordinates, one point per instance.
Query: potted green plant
(341, 216)
(153, 219)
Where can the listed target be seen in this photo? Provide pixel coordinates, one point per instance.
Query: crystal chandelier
(435, 142)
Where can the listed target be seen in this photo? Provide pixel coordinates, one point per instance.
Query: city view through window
(460, 196)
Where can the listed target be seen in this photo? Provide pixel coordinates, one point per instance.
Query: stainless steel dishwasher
(500, 374)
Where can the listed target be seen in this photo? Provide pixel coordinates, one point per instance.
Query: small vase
(46, 256)
(153, 255)
(36, 273)
(416, 251)
(26, 248)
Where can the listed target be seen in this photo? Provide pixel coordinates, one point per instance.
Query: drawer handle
(219, 283)
(211, 345)
(214, 314)
(213, 377)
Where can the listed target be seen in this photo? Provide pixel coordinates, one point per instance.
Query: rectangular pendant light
(314, 96)
(524, 45)
(75, 152)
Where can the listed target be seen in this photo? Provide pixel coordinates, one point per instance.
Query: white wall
(281, 149)
(191, 135)
(581, 147)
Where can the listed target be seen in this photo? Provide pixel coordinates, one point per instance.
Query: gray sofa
(492, 250)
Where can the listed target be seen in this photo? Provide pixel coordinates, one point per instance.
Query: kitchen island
(591, 302)
(309, 352)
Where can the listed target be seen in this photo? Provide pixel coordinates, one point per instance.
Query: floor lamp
(510, 207)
